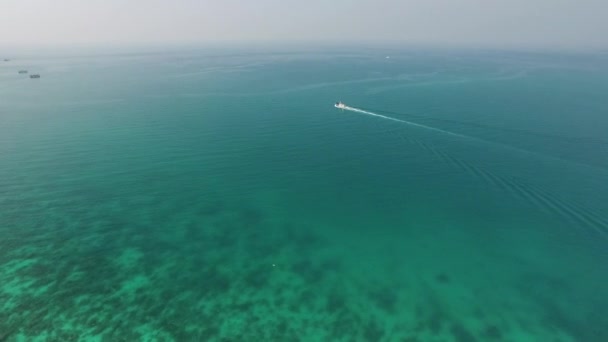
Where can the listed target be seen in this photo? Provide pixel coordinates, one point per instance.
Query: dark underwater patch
(461, 334)
(385, 298)
(372, 331)
(442, 278)
(492, 332)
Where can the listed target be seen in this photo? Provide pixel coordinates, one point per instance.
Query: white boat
(340, 105)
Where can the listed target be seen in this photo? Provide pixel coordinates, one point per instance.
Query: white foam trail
(357, 110)
(509, 147)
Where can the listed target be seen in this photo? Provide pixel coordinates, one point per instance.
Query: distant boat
(35, 76)
(6, 60)
(23, 71)
(340, 105)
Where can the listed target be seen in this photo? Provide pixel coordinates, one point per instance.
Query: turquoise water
(217, 195)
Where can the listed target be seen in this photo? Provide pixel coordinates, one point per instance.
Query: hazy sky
(568, 23)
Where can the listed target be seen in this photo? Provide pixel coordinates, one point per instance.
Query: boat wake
(568, 211)
(343, 106)
(357, 110)
(575, 214)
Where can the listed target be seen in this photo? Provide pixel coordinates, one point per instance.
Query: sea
(217, 194)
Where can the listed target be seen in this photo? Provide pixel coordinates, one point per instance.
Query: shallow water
(218, 195)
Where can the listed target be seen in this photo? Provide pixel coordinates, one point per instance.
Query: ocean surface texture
(217, 195)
